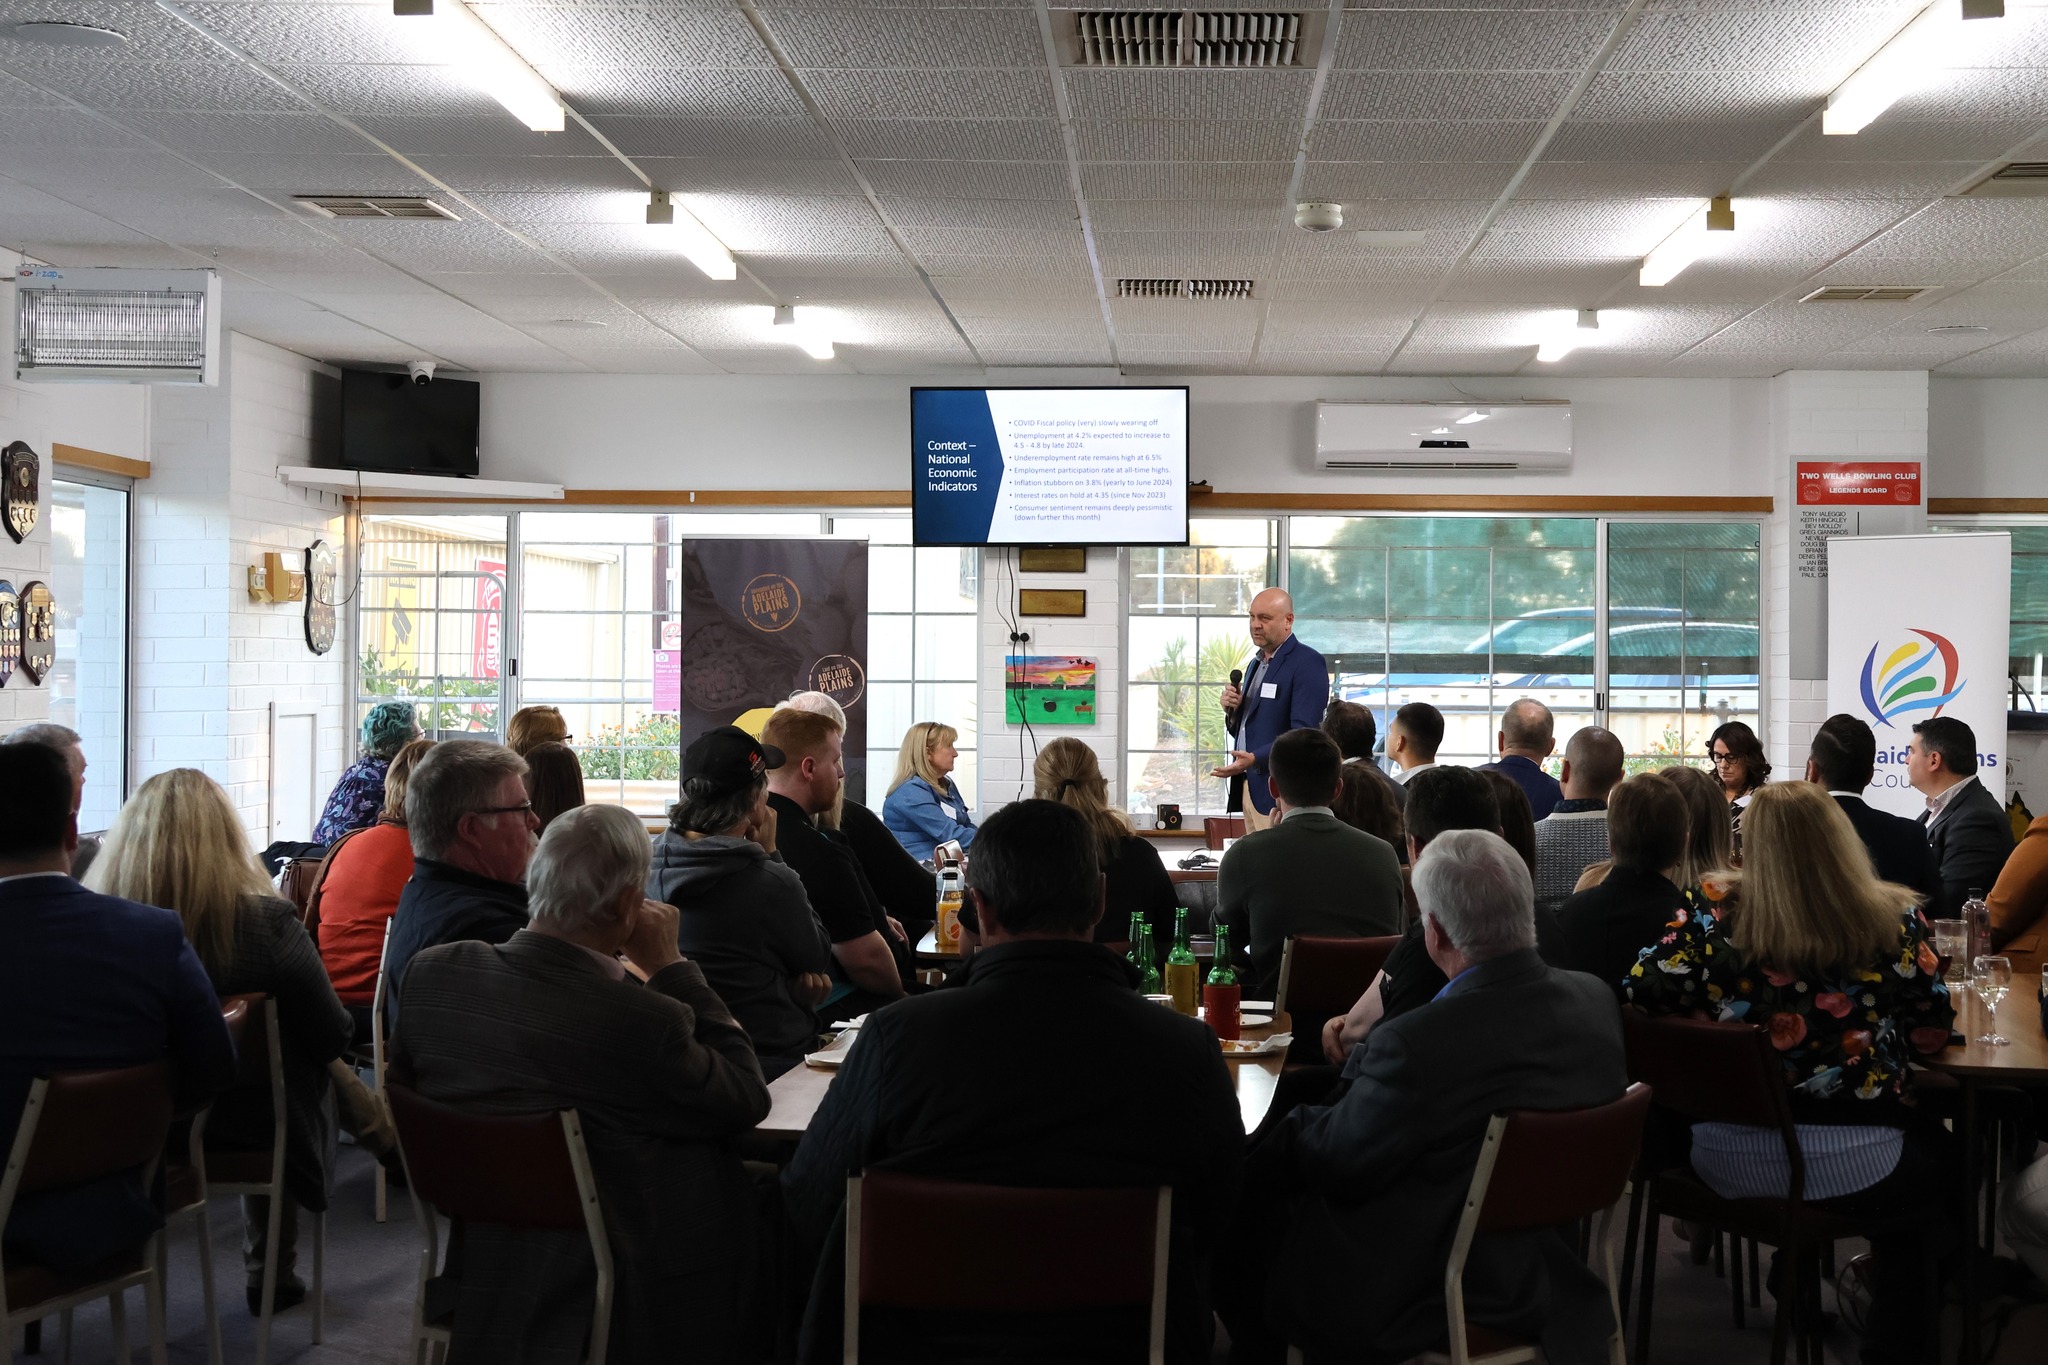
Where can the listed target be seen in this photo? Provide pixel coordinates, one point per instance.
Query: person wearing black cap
(744, 917)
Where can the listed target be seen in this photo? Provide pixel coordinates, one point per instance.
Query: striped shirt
(1568, 841)
(1741, 1162)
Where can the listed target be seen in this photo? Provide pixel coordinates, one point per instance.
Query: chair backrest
(254, 1030)
(1708, 1071)
(86, 1125)
(1549, 1169)
(1322, 977)
(1217, 828)
(1029, 1249)
(515, 1170)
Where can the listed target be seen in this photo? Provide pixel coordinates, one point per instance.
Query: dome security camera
(1319, 217)
(422, 371)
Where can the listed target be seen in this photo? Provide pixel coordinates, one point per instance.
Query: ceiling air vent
(1219, 289)
(1229, 39)
(1183, 289)
(1867, 293)
(373, 206)
(2018, 180)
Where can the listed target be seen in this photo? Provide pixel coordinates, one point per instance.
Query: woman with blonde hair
(1135, 881)
(1835, 965)
(924, 808)
(179, 844)
(1709, 836)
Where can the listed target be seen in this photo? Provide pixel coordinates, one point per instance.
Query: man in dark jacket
(662, 1077)
(472, 830)
(87, 982)
(1528, 735)
(1843, 759)
(1965, 821)
(744, 918)
(1602, 930)
(1100, 1088)
(1363, 1195)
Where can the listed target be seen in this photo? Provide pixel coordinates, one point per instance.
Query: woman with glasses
(1741, 768)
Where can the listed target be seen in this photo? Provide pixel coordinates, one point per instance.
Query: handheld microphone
(1236, 677)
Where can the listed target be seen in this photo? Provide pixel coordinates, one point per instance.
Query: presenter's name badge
(771, 602)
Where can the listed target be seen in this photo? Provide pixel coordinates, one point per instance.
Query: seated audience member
(356, 893)
(663, 1077)
(1965, 821)
(1517, 823)
(1709, 837)
(1353, 1203)
(179, 843)
(2023, 1216)
(1309, 872)
(1104, 1090)
(359, 795)
(535, 725)
(1134, 880)
(865, 947)
(554, 780)
(907, 888)
(1740, 767)
(472, 831)
(744, 919)
(1354, 731)
(67, 742)
(924, 809)
(1843, 759)
(1836, 964)
(2020, 896)
(1602, 931)
(86, 982)
(1445, 799)
(1413, 738)
(1528, 735)
(1366, 799)
(1574, 835)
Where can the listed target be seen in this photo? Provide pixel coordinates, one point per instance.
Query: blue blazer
(90, 981)
(1301, 681)
(916, 814)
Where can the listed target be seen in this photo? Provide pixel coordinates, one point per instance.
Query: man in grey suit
(1966, 823)
(1369, 1189)
(663, 1079)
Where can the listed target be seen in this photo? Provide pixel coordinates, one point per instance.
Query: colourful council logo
(1914, 677)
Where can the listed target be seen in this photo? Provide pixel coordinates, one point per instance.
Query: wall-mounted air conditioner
(1433, 437)
(112, 325)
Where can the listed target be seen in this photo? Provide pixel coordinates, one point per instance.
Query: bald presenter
(1285, 686)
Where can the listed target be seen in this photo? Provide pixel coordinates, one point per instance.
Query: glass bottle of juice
(1221, 993)
(1183, 973)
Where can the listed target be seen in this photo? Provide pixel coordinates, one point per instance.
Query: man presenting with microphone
(1283, 687)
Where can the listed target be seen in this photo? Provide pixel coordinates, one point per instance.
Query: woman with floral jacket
(1835, 965)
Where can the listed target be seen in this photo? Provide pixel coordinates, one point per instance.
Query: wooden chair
(1031, 1250)
(237, 1170)
(1541, 1170)
(516, 1171)
(1321, 978)
(186, 1194)
(1709, 1072)
(1217, 828)
(77, 1127)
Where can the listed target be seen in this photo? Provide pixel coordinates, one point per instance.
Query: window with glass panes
(2029, 661)
(88, 685)
(1186, 631)
(430, 621)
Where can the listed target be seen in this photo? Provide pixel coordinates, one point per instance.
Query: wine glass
(1991, 978)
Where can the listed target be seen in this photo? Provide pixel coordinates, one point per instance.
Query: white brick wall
(1005, 753)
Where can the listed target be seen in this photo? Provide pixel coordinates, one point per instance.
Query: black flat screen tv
(391, 425)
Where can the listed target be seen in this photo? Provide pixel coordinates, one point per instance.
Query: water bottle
(1977, 919)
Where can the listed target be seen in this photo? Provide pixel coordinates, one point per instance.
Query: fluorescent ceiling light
(452, 36)
(1575, 331)
(1476, 415)
(1694, 238)
(681, 229)
(1940, 37)
(804, 330)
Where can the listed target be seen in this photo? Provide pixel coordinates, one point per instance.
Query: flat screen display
(1049, 466)
(391, 425)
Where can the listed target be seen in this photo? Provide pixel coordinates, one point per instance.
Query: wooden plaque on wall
(1052, 601)
(1052, 559)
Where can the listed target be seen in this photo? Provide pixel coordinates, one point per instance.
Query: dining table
(794, 1096)
(2021, 1063)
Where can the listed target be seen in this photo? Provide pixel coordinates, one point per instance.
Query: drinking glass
(1951, 940)
(1991, 978)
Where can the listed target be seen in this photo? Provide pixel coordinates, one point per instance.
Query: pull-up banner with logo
(1920, 626)
(765, 618)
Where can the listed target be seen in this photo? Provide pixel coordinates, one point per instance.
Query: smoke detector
(1319, 217)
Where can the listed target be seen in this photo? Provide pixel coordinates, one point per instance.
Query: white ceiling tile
(1510, 39)
(1214, 95)
(968, 179)
(595, 34)
(1186, 140)
(893, 36)
(1423, 140)
(931, 139)
(916, 94)
(1399, 95)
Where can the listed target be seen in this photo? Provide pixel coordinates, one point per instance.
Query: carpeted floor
(371, 1269)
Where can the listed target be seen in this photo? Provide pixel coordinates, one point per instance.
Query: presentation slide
(1049, 466)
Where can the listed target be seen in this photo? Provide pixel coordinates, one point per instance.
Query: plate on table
(1259, 1047)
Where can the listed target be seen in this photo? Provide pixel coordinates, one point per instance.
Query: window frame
(125, 486)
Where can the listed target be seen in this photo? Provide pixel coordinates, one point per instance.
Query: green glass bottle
(1147, 957)
(1183, 973)
(1221, 993)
